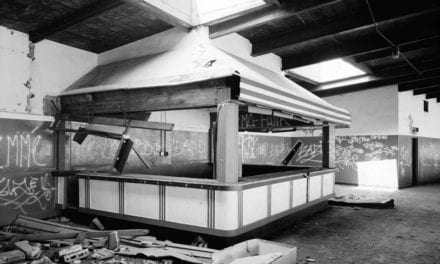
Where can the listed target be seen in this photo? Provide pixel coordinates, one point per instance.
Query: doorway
(415, 161)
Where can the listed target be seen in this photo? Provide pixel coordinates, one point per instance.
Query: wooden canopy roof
(192, 77)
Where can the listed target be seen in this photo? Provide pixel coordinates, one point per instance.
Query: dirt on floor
(410, 233)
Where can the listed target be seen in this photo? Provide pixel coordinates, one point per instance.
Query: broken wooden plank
(118, 122)
(37, 225)
(71, 235)
(11, 257)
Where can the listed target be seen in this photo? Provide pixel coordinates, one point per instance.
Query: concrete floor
(410, 233)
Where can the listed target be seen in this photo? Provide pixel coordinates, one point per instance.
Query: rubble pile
(34, 241)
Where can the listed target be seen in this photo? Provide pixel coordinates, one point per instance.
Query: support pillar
(228, 158)
(328, 146)
(60, 164)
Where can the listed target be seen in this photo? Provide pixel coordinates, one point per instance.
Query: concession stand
(229, 198)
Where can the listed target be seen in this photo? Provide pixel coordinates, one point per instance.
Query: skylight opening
(209, 10)
(328, 71)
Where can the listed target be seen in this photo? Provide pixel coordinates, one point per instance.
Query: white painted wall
(373, 112)
(55, 67)
(242, 47)
(14, 70)
(411, 111)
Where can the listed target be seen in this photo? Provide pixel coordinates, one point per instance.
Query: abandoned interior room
(219, 131)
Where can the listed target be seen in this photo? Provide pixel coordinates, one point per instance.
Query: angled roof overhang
(199, 65)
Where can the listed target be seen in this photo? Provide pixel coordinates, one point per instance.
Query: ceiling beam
(172, 15)
(350, 25)
(266, 14)
(433, 94)
(433, 41)
(301, 80)
(427, 89)
(345, 44)
(419, 84)
(73, 18)
(378, 82)
(403, 67)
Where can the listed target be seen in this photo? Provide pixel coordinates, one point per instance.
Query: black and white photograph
(219, 131)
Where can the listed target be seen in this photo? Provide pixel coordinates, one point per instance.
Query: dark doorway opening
(415, 161)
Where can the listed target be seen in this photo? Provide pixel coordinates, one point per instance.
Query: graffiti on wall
(351, 149)
(26, 156)
(25, 149)
(26, 193)
(180, 145)
(257, 149)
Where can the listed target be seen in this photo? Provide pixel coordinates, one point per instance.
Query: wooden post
(228, 157)
(328, 146)
(60, 164)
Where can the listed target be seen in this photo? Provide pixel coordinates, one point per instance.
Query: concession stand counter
(230, 197)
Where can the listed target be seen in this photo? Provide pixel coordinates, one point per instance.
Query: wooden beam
(193, 95)
(73, 18)
(433, 94)
(377, 82)
(419, 84)
(173, 16)
(266, 14)
(402, 67)
(142, 116)
(303, 81)
(429, 89)
(433, 41)
(357, 41)
(60, 161)
(347, 26)
(291, 39)
(228, 154)
(328, 146)
(118, 122)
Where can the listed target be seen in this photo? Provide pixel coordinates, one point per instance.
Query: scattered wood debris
(48, 242)
(34, 241)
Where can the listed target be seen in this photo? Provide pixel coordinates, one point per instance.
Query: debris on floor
(47, 242)
(256, 251)
(34, 241)
(356, 201)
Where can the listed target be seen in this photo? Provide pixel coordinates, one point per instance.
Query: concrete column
(228, 157)
(328, 146)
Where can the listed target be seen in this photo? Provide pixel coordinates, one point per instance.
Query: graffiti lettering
(29, 191)
(21, 150)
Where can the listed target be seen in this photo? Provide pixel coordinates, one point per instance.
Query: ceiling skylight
(328, 71)
(209, 10)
